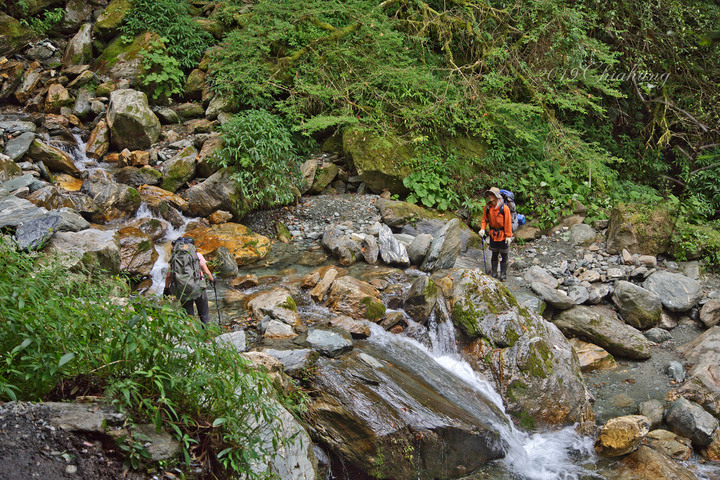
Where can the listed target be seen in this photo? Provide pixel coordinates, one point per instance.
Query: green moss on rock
(112, 18)
(381, 161)
(374, 309)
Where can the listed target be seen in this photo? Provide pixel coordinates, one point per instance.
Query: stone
(638, 306)
(217, 192)
(421, 298)
(356, 329)
(341, 245)
(131, 122)
(669, 444)
(111, 18)
(57, 97)
(379, 159)
(677, 292)
(194, 85)
(54, 158)
(600, 325)
(14, 35)
(220, 104)
(355, 298)
(35, 233)
(318, 293)
(139, 158)
(180, 169)
(579, 294)
(122, 62)
(114, 200)
(654, 410)
(657, 335)
(690, 420)
(16, 147)
(592, 358)
(79, 48)
(646, 463)
(276, 329)
(307, 170)
(649, 261)
(329, 344)
(676, 371)
(370, 249)
(137, 252)
(89, 250)
(418, 248)
(392, 251)
(582, 234)
(539, 274)
(278, 304)
(639, 229)
(444, 248)
(324, 175)
(83, 104)
(219, 216)
(30, 81)
(556, 298)
(710, 313)
(622, 435)
(235, 340)
(247, 247)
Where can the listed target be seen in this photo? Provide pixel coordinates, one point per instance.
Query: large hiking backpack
(509, 200)
(186, 278)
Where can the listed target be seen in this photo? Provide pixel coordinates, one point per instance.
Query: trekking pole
(216, 301)
(484, 261)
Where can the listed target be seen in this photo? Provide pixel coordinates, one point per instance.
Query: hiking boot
(493, 271)
(503, 271)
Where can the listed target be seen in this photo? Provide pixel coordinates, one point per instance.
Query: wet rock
(355, 328)
(137, 252)
(132, 124)
(646, 463)
(278, 304)
(99, 141)
(293, 360)
(365, 389)
(88, 250)
(421, 298)
(247, 247)
(444, 248)
(115, 200)
(677, 292)
(179, 169)
(329, 344)
(592, 358)
(597, 293)
(341, 245)
(318, 293)
(224, 261)
(57, 97)
(54, 158)
(669, 444)
(392, 251)
(540, 377)
(601, 326)
(690, 420)
(638, 307)
(219, 216)
(622, 435)
(356, 299)
(136, 177)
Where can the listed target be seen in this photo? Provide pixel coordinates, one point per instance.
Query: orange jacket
(500, 225)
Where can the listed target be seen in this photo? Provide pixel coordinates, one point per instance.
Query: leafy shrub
(145, 355)
(162, 75)
(42, 25)
(170, 19)
(431, 183)
(259, 149)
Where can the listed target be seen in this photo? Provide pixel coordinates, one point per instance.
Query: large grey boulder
(137, 252)
(79, 48)
(539, 274)
(532, 365)
(217, 192)
(638, 306)
(444, 249)
(377, 397)
(420, 300)
(132, 123)
(114, 200)
(341, 245)
(35, 233)
(90, 250)
(418, 248)
(278, 304)
(703, 384)
(54, 158)
(677, 292)
(14, 210)
(601, 326)
(690, 420)
(582, 234)
(392, 251)
(16, 147)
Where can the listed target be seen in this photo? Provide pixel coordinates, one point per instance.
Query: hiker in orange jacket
(496, 220)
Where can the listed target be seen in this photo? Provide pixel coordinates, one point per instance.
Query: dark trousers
(202, 308)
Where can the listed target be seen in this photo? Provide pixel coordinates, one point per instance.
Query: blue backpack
(509, 200)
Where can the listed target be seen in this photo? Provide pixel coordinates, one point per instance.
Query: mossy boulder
(8, 168)
(28, 8)
(533, 366)
(639, 229)
(112, 18)
(381, 161)
(14, 36)
(179, 169)
(132, 124)
(79, 49)
(324, 174)
(355, 298)
(122, 60)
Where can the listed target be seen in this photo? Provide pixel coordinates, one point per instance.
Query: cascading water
(543, 456)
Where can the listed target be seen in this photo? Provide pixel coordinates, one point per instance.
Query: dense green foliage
(162, 76)
(65, 335)
(260, 150)
(579, 95)
(170, 19)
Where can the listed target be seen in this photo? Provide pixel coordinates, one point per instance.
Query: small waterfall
(542, 456)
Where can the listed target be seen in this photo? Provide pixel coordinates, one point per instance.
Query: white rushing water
(541, 456)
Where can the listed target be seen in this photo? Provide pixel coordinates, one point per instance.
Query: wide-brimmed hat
(493, 191)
